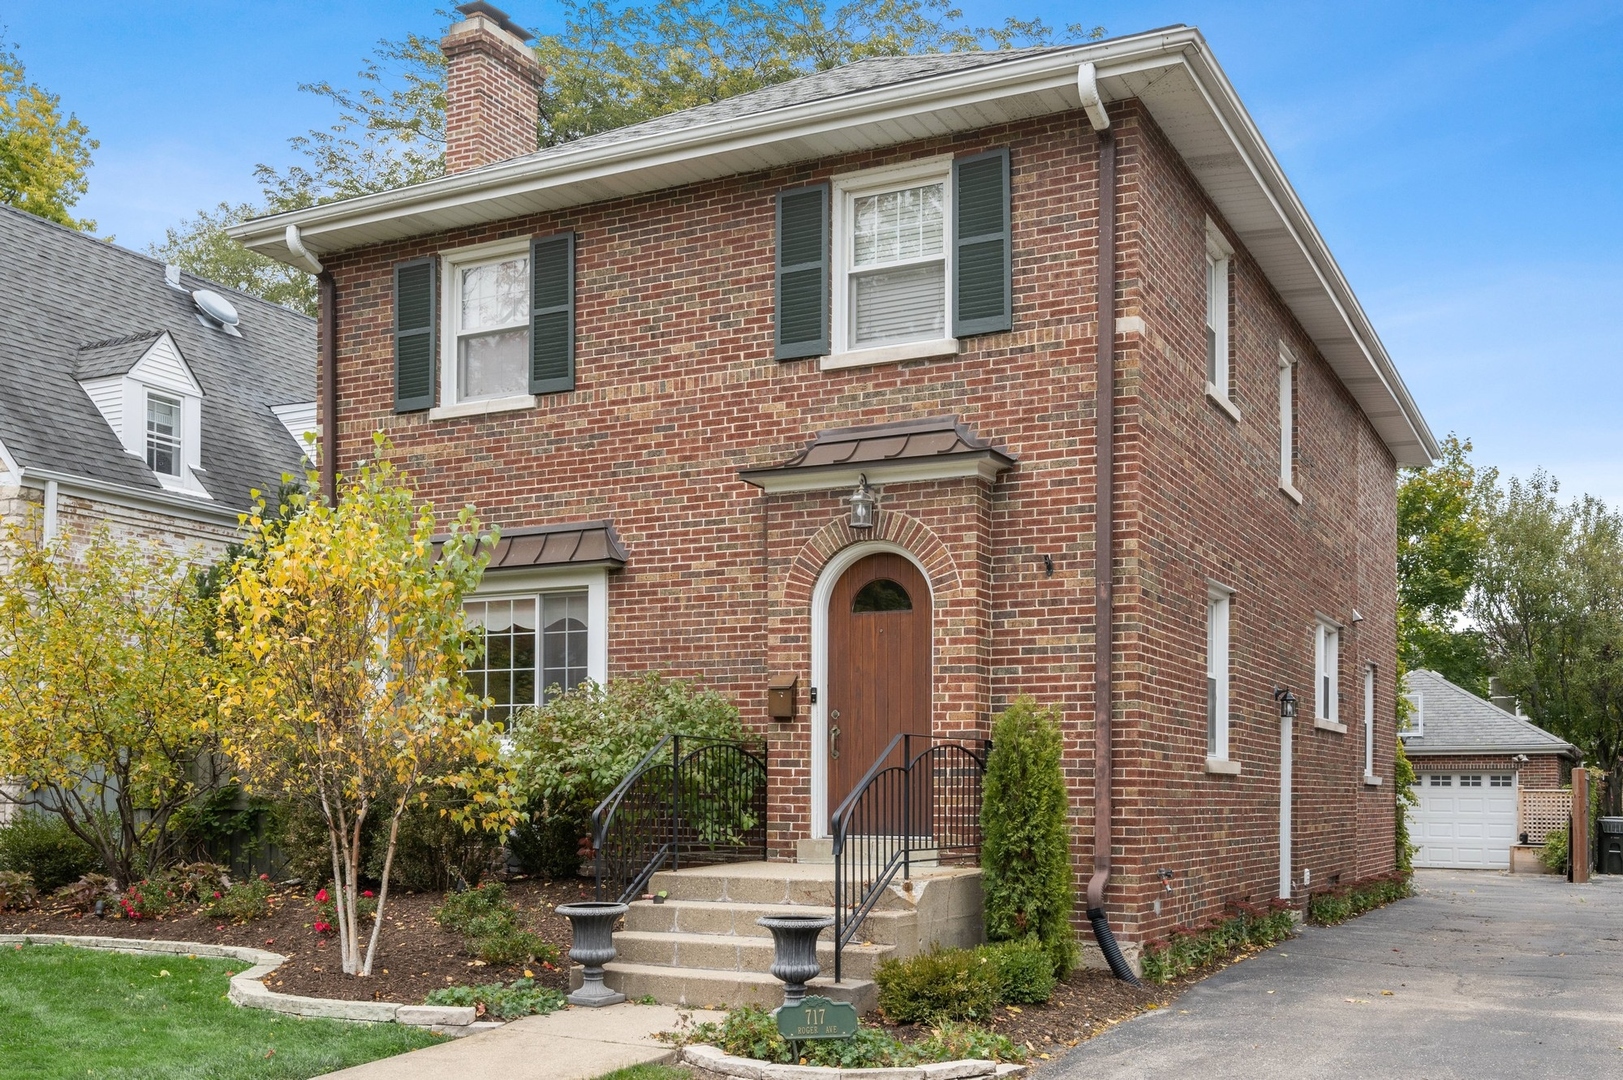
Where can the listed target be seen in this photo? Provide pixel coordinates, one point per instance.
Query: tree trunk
(383, 887)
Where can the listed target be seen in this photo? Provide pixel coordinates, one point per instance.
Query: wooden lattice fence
(1541, 811)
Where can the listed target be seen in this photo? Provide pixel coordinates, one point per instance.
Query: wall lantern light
(864, 505)
(1287, 703)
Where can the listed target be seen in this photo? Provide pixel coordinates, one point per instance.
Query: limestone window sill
(483, 407)
(1330, 725)
(1220, 399)
(1371, 781)
(1222, 767)
(890, 354)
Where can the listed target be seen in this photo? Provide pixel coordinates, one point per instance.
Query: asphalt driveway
(1480, 975)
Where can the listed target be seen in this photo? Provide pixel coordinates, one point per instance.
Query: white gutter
(295, 244)
(160, 502)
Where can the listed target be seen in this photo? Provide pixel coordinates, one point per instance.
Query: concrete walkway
(572, 1044)
(1481, 975)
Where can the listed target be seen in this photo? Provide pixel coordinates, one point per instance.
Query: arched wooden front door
(878, 665)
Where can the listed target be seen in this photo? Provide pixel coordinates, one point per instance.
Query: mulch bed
(414, 955)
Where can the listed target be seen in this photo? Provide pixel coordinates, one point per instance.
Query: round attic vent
(215, 307)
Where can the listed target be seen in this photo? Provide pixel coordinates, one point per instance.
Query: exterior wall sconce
(1287, 703)
(864, 505)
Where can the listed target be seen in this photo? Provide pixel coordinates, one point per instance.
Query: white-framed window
(1470, 780)
(164, 435)
(1327, 673)
(1502, 780)
(1287, 423)
(1441, 780)
(1369, 721)
(892, 262)
(486, 346)
(1219, 258)
(1414, 723)
(544, 632)
(1217, 673)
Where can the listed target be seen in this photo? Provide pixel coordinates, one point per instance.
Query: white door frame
(822, 592)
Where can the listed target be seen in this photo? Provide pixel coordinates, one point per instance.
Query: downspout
(1104, 422)
(326, 361)
(48, 523)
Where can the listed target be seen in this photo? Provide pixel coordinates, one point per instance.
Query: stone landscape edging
(249, 992)
(714, 1059)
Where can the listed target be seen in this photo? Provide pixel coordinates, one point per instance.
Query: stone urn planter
(593, 927)
(794, 951)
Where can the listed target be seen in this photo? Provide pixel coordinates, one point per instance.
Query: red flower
(216, 894)
(321, 896)
(322, 927)
(368, 893)
(264, 877)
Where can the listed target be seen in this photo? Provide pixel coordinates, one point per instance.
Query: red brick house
(663, 358)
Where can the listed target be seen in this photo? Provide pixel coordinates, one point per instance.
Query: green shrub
(1345, 901)
(1403, 785)
(43, 847)
(1191, 948)
(490, 926)
(752, 1032)
(1025, 847)
(1025, 970)
(549, 846)
(571, 752)
(243, 902)
(951, 984)
(17, 891)
(1554, 853)
(433, 853)
(521, 997)
(146, 899)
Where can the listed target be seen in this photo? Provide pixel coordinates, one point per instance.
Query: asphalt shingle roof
(75, 307)
(1456, 721)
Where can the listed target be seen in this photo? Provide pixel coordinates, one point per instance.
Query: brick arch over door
(905, 532)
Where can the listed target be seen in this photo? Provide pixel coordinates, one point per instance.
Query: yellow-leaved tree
(345, 645)
(104, 719)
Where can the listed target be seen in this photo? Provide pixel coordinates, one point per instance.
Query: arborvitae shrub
(1025, 847)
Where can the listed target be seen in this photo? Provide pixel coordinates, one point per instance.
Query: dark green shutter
(552, 314)
(802, 273)
(982, 268)
(415, 309)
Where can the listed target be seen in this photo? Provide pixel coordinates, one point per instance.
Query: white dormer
(148, 396)
(299, 419)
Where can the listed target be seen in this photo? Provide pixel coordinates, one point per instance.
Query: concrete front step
(759, 883)
(733, 952)
(706, 988)
(710, 917)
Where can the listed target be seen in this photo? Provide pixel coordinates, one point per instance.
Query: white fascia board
(1145, 66)
(186, 507)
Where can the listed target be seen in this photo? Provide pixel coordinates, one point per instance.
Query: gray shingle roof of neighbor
(1456, 721)
(74, 307)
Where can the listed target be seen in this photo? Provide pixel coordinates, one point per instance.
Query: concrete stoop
(701, 947)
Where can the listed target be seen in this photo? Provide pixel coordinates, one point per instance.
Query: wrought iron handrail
(928, 802)
(689, 800)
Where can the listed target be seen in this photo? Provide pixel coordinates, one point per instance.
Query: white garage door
(1465, 820)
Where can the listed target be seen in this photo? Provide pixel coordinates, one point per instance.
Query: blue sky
(1464, 161)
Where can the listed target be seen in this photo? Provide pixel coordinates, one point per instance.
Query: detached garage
(1472, 758)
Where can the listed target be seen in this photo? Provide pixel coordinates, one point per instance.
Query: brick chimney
(492, 88)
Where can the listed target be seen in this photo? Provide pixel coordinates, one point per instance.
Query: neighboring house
(1472, 758)
(135, 397)
(666, 359)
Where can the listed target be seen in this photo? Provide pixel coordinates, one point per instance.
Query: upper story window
(891, 259)
(1327, 673)
(163, 435)
(1287, 423)
(1219, 257)
(492, 328)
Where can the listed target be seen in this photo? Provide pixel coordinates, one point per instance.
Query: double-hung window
(1369, 725)
(1218, 261)
(892, 257)
(534, 648)
(1327, 673)
(1217, 675)
(163, 435)
(490, 324)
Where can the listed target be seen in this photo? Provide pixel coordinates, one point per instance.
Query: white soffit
(1172, 71)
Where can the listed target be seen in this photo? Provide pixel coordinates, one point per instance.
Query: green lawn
(69, 1012)
(649, 1072)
